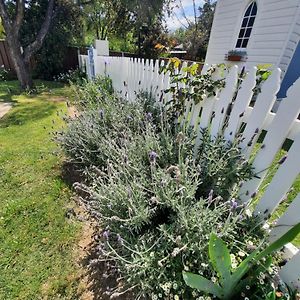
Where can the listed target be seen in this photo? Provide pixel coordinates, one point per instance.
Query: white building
(268, 30)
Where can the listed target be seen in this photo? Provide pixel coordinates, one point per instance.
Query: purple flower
(153, 156)
(282, 160)
(149, 116)
(233, 204)
(119, 239)
(106, 234)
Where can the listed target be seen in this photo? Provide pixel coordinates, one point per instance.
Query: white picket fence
(129, 76)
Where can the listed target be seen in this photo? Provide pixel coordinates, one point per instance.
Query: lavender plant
(91, 94)
(155, 203)
(223, 166)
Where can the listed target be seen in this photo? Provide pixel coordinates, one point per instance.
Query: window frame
(245, 17)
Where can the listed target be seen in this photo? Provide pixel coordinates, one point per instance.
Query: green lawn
(36, 239)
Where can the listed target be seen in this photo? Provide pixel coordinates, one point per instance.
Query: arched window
(247, 25)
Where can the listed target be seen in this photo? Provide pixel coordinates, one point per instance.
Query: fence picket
(287, 220)
(196, 108)
(262, 107)
(224, 101)
(290, 273)
(188, 104)
(282, 181)
(275, 137)
(242, 101)
(155, 81)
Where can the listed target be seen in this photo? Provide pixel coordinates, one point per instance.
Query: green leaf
(220, 258)
(243, 267)
(271, 296)
(286, 238)
(202, 284)
(253, 275)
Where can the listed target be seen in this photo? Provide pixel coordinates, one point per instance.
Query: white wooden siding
(274, 38)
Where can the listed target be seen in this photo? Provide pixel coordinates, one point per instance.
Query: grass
(36, 238)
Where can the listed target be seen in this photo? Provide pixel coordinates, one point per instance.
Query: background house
(268, 30)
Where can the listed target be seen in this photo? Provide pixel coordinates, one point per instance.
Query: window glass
(247, 25)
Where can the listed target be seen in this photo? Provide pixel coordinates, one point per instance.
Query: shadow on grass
(8, 89)
(46, 89)
(28, 112)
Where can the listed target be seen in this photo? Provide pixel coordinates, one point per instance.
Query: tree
(65, 30)
(12, 14)
(148, 16)
(106, 17)
(197, 28)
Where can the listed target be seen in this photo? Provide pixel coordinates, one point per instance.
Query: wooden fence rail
(70, 60)
(5, 59)
(130, 76)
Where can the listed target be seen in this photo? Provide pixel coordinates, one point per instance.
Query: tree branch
(20, 6)
(36, 45)
(5, 17)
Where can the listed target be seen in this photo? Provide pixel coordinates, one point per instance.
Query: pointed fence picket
(241, 102)
(229, 113)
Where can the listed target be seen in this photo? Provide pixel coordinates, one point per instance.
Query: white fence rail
(130, 76)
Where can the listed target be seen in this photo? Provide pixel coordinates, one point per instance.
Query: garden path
(4, 108)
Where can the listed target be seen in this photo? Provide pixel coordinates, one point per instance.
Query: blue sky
(177, 19)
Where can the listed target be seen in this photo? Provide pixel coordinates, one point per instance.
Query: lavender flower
(149, 116)
(152, 157)
(119, 239)
(106, 234)
(233, 204)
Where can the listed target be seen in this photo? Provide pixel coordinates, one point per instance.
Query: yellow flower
(175, 61)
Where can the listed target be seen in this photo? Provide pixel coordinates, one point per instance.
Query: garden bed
(156, 204)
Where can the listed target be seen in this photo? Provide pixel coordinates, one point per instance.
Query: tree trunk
(21, 61)
(21, 67)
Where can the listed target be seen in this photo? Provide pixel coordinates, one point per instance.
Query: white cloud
(180, 17)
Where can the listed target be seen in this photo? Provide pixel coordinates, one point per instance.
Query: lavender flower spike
(153, 156)
(233, 204)
(149, 116)
(106, 234)
(119, 239)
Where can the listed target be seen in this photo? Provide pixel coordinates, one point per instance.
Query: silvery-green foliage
(223, 166)
(90, 94)
(142, 189)
(91, 138)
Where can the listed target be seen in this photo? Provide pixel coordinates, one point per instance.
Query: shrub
(156, 204)
(91, 94)
(76, 76)
(154, 226)
(6, 74)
